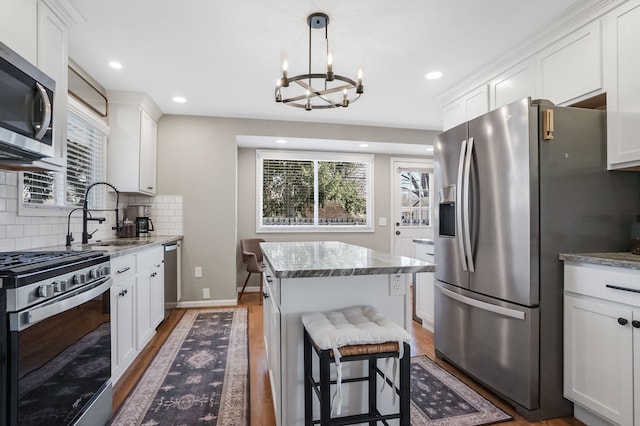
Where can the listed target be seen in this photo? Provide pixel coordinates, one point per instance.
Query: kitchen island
(322, 276)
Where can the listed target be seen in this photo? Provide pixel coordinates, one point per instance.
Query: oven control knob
(93, 274)
(79, 278)
(61, 286)
(106, 271)
(46, 290)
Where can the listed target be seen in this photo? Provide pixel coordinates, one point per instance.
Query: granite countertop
(428, 241)
(335, 258)
(618, 260)
(119, 246)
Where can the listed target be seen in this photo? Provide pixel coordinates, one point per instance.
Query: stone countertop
(335, 258)
(119, 246)
(428, 241)
(618, 260)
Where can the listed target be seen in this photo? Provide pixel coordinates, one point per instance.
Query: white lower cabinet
(137, 300)
(602, 343)
(425, 297)
(123, 342)
(272, 331)
(149, 293)
(157, 294)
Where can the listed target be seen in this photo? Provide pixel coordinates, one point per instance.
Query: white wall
(198, 158)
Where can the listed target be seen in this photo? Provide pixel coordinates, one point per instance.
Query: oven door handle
(22, 320)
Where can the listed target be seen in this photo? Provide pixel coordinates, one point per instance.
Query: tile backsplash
(24, 230)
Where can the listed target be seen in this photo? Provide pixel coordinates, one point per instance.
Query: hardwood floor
(261, 405)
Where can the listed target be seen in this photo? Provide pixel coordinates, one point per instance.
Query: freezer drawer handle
(616, 287)
(512, 313)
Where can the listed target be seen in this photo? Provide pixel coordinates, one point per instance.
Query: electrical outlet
(198, 271)
(397, 284)
(205, 293)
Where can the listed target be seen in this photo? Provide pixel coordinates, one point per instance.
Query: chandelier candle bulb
(330, 67)
(284, 82)
(360, 87)
(345, 98)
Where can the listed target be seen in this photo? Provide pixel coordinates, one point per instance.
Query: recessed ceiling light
(280, 141)
(364, 145)
(115, 65)
(433, 75)
(178, 99)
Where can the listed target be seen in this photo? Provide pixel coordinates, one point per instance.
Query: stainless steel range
(56, 338)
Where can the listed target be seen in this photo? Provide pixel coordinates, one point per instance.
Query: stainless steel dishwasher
(170, 277)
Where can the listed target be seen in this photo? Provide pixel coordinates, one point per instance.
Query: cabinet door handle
(635, 324)
(622, 321)
(123, 270)
(265, 295)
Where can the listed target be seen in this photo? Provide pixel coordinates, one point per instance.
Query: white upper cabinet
(471, 105)
(18, 27)
(572, 67)
(53, 60)
(132, 148)
(622, 83)
(517, 83)
(148, 152)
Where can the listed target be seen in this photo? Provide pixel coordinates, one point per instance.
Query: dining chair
(252, 256)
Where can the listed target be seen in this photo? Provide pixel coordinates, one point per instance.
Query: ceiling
(225, 57)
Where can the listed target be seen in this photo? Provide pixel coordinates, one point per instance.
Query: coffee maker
(140, 215)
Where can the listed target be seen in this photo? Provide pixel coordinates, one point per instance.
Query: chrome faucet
(86, 216)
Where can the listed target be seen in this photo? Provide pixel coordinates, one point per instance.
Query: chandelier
(318, 90)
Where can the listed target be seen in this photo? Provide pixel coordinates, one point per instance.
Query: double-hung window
(86, 161)
(313, 191)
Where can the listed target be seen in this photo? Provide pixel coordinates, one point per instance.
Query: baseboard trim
(253, 289)
(208, 303)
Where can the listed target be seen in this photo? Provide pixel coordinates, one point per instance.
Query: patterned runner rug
(199, 376)
(440, 399)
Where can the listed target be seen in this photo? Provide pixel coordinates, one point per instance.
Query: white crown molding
(65, 11)
(582, 13)
(135, 98)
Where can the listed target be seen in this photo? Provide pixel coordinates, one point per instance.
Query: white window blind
(85, 161)
(86, 156)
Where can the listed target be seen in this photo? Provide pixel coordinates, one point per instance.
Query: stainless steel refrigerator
(516, 187)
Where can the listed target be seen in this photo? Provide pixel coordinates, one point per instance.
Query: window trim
(264, 154)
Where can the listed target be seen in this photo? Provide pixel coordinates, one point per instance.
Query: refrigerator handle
(459, 224)
(501, 310)
(465, 207)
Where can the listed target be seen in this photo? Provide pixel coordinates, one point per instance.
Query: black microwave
(26, 109)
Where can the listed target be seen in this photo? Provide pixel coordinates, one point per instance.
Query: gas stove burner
(23, 267)
(9, 260)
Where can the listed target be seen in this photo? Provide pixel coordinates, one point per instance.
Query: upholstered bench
(357, 333)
